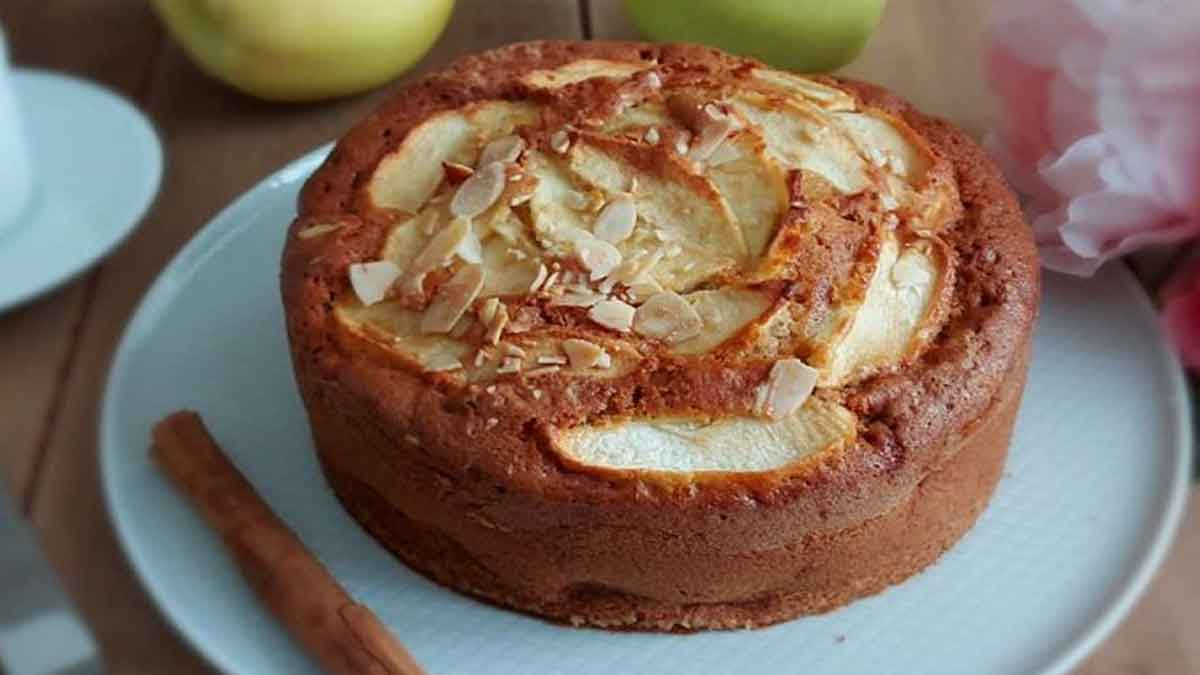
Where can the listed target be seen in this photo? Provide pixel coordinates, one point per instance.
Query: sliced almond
(711, 137)
(616, 220)
(667, 316)
(497, 325)
(479, 192)
(574, 298)
(316, 231)
(652, 136)
(539, 280)
(510, 364)
(487, 311)
(788, 386)
(551, 360)
(598, 256)
(509, 349)
(372, 281)
(642, 291)
(613, 314)
(435, 254)
(505, 150)
(469, 249)
(456, 173)
(582, 354)
(560, 142)
(652, 80)
(453, 299)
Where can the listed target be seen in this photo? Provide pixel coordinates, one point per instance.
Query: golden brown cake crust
(505, 494)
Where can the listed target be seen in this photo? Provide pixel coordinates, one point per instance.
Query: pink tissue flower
(1181, 314)
(1101, 122)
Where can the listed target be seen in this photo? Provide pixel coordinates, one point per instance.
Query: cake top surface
(753, 244)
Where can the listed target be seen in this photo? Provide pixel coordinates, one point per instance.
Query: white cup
(16, 171)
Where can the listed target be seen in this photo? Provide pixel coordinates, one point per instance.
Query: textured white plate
(1086, 509)
(97, 165)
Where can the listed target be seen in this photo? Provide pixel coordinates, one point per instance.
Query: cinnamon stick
(345, 637)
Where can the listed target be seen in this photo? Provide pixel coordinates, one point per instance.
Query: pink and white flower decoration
(1101, 123)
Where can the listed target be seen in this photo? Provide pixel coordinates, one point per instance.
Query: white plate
(97, 165)
(1091, 496)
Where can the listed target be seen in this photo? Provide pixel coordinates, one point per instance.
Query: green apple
(305, 50)
(802, 35)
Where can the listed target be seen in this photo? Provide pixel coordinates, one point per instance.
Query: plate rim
(1148, 561)
(156, 165)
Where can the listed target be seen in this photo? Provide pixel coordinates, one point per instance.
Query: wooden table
(55, 352)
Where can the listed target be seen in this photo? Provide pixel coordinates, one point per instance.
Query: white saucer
(98, 163)
(1091, 497)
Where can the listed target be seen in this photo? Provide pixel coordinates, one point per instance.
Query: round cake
(654, 337)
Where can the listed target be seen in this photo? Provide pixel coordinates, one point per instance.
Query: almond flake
(537, 393)
(560, 142)
(711, 136)
(456, 173)
(441, 363)
(616, 220)
(582, 354)
(469, 249)
(637, 269)
(436, 252)
(372, 281)
(604, 361)
(480, 357)
(491, 422)
(505, 150)
(510, 364)
(788, 386)
(520, 199)
(543, 370)
(491, 389)
(653, 80)
(479, 192)
(598, 256)
(452, 299)
(539, 279)
(612, 314)
(316, 231)
(487, 311)
(509, 349)
(573, 298)
(496, 327)
(652, 136)
(551, 360)
(713, 112)
(642, 291)
(667, 316)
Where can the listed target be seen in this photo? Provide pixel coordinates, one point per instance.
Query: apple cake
(654, 337)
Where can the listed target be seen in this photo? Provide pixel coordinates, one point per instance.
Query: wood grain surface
(55, 352)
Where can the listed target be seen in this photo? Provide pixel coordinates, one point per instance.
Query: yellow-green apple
(803, 35)
(305, 50)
